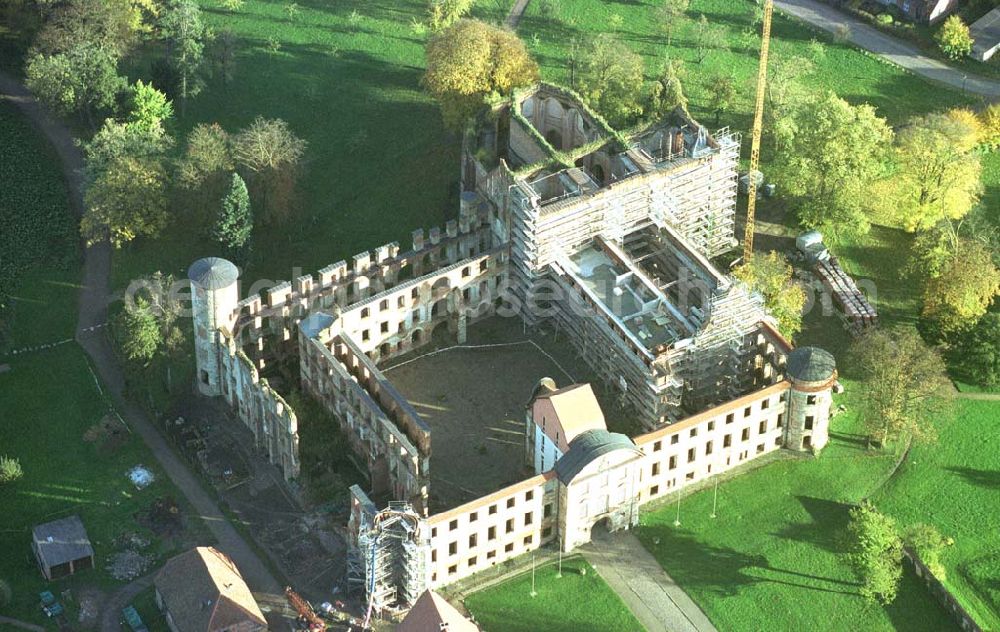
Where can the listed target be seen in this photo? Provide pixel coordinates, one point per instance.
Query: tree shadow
(989, 479)
(850, 438)
(825, 530)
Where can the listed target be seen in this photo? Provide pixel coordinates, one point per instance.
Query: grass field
(774, 557)
(51, 398)
(570, 603)
(955, 485)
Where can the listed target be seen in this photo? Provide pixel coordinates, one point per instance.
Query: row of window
(492, 510)
(508, 548)
(689, 476)
(415, 292)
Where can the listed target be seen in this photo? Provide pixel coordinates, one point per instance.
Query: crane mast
(758, 123)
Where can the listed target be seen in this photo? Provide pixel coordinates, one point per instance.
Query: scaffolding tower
(388, 556)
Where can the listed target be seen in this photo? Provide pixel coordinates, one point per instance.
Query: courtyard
(473, 398)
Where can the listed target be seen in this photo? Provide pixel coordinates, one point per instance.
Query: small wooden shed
(62, 547)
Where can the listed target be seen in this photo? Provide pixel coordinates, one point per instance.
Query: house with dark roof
(985, 34)
(202, 591)
(62, 547)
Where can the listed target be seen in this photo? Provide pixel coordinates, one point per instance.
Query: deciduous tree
(270, 157)
(471, 60)
(443, 13)
(831, 153)
(721, 91)
(928, 543)
(937, 175)
(976, 352)
(82, 80)
(904, 389)
(961, 294)
(670, 15)
(149, 108)
(708, 37)
(876, 553)
(125, 201)
(772, 276)
(611, 79)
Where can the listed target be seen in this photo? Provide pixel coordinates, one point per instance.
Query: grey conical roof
(213, 273)
(811, 364)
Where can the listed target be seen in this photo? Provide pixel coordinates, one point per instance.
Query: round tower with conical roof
(812, 373)
(214, 297)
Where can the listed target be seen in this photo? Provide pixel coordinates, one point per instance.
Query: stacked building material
(858, 312)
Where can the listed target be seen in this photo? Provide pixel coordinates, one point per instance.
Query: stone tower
(214, 297)
(812, 373)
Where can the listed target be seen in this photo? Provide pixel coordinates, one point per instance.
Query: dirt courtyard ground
(473, 400)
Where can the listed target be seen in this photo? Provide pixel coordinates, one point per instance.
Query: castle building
(563, 223)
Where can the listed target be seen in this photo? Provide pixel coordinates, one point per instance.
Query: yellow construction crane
(758, 123)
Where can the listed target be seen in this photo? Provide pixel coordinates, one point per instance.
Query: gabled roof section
(566, 413)
(62, 541)
(587, 448)
(204, 592)
(431, 613)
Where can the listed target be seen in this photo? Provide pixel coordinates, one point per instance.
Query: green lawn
(569, 603)
(50, 400)
(955, 485)
(774, 557)
(851, 73)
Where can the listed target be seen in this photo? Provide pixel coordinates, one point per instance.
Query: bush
(953, 38)
(10, 470)
(883, 18)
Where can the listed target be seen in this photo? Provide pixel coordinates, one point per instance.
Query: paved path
(112, 614)
(652, 596)
(888, 47)
(516, 13)
(93, 310)
(990, 397)
(22, 624)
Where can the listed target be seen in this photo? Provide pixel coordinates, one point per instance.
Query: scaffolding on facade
(389, 559)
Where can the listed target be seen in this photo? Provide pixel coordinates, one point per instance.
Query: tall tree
(876, 553)
(905, 388)
(184, 33)
(708, 37)
(611, 79)
(125, 201)
(224, 47)
(670, 15)
(831, 153)
(772, 276)
(721, 91)
(443, 13)
(976, 352)
(149, 108)
(203, 172)
(82, 80)
(110, 25)
(937, 174)
(957, 298)
(235, 222)
(137, 332)
(668, 93)
(471, 60)
(117, 141)
(270, 156)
